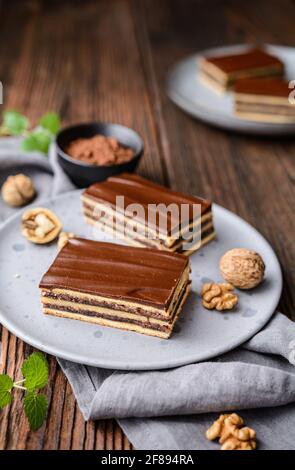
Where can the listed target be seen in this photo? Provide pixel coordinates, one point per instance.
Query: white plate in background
(188, 92)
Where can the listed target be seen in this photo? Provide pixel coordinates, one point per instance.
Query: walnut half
(232, 433)
(40, 225)
(218, 296)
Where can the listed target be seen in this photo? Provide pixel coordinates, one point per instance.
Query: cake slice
(264, 100)
(221, 72)
(136, 289)
(184, 231)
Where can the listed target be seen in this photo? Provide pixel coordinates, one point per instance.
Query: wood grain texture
(108, 60)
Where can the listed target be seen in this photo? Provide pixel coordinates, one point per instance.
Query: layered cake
(264, 100)
(183, 231)
(221, 72)
(136, 289)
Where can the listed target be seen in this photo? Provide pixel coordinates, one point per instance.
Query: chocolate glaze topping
(264, 86)
(141, 275)
(136, 189)
(253, 59)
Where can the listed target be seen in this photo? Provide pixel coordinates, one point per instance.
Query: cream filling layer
(149, 310)
(214, 85)
(143, 244)
(143, 241)
(252, 98)
(204, 229)
(150, 231)
(121, 324)
(79, 308)
(264, 117)
(153, 243)
(226, 78)
(196, 247)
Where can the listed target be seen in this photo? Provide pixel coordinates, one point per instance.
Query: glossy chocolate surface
(136, 189)
(134, 274)
(264, 86)
(253, 59)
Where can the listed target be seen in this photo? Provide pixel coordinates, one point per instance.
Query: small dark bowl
(83, 174)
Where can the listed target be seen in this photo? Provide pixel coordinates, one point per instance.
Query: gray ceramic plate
(191, 95)
(200, 334)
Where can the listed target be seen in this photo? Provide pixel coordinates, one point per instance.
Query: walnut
(242, 268)
(232, 433)
(218, 296)
(63, 239)
(18, 190)
(40, 225)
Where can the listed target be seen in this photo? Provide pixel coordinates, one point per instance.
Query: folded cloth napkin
(171, 409)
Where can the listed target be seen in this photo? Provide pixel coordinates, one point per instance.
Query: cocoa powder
(99, 150)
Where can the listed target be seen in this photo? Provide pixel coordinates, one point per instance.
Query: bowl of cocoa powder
(92, 152)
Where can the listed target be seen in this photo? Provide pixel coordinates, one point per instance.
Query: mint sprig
(35, 371)
(35, 409)
(6, 385)
(50, 122)
(36, 140)
(14, 123)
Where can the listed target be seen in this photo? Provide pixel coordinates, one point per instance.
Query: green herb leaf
(38, 141)
(35, 371)
(51, 122)
(29, 144)
(35, 409)
(14, 122)
(6, 385)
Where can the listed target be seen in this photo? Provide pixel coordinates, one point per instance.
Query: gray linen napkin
(171, 409)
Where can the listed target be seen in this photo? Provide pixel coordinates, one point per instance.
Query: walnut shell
(40, 225)
(18, 190)
(242, 268)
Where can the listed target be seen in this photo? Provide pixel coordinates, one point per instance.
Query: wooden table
(107, 60)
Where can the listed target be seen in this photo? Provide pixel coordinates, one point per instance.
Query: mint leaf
(50, 122)
(35, 371)
(6, 385)
(14, 122)
(38, 141)
(29, 144)
(35, 409)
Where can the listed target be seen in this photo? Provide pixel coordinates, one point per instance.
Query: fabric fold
(237, 380)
